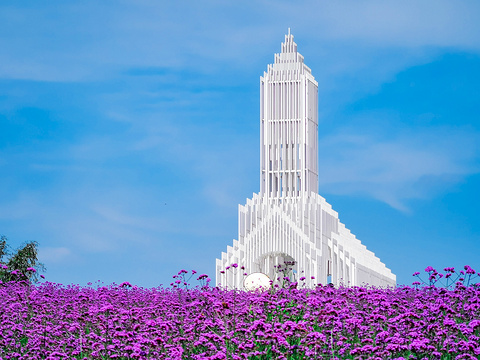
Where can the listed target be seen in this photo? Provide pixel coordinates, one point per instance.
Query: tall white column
(288, 126)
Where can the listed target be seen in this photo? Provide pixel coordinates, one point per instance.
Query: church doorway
(277, 266)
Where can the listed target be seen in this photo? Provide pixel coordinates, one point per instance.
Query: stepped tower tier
(288, 222)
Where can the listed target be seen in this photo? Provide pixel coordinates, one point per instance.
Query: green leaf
(23, 341)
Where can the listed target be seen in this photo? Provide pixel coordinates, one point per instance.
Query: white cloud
(76, 42)
(411, 165)
(401, 23)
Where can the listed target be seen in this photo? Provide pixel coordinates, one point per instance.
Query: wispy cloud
(101, 40)
(400, 23)
(413, 164)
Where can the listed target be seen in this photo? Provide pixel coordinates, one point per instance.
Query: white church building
(288, 221)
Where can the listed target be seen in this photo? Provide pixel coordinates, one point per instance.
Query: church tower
(288, 221)
(288, 126)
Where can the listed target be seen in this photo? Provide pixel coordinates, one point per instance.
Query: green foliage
(3, 247)
(21, 264)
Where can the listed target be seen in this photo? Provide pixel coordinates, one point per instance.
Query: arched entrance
(277, 265)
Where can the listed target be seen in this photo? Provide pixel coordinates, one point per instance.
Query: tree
(23, 264)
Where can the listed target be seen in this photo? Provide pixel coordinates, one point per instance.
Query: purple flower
(31, 269)
(235, 265)
(149, 323)
(429, 268)
(417, 273)
(125, 284)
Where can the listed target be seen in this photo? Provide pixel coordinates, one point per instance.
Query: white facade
(288, 220)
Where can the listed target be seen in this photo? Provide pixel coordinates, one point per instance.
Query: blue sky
(129, 131)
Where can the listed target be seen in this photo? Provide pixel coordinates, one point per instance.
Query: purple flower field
(52, 321)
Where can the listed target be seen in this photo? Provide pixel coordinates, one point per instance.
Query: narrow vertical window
(329, 271)
(281, 186)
